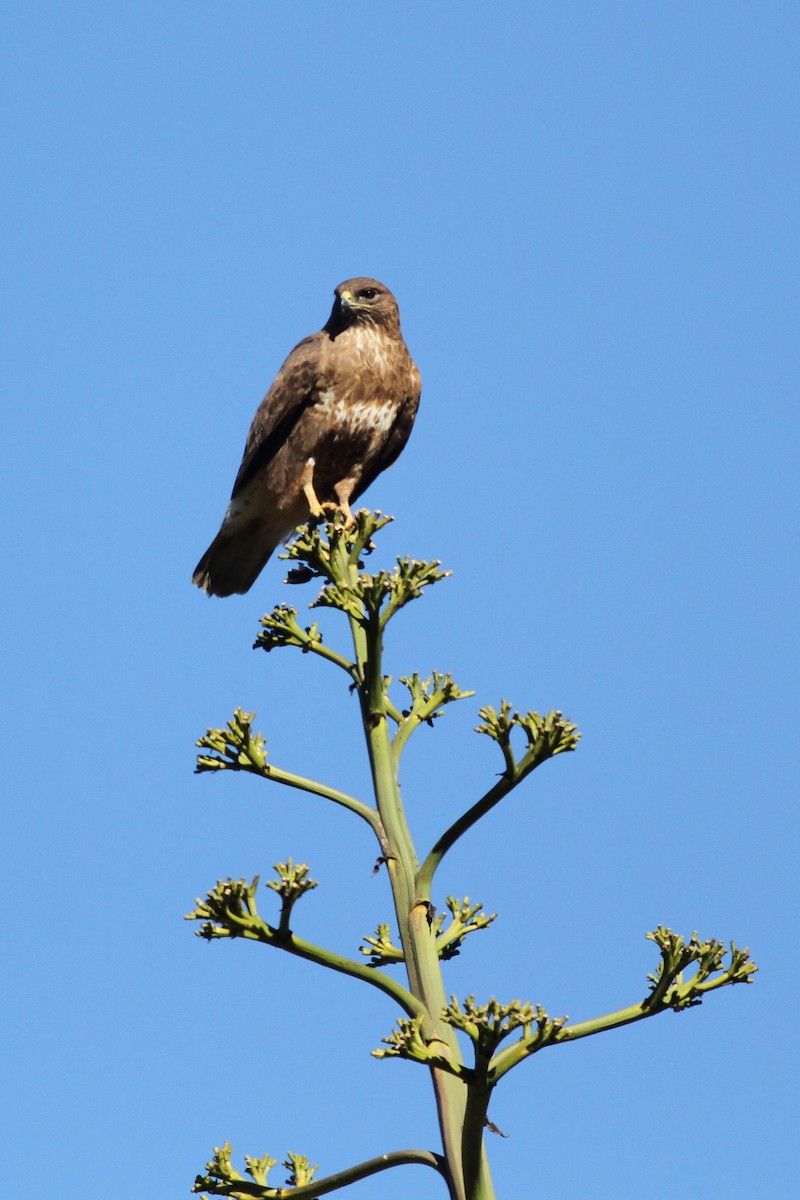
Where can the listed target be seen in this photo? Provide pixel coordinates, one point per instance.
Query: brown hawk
(339, 412)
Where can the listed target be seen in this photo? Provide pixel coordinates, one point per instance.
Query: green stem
(373, 1166)
(473, 1158)
(289, 779)
(508, 1058)
(419, 944)
(406, 727)
(331, 656)
(332, 1183)
(260, 931)
(614, 1020)
(420, 712)
(459, 827)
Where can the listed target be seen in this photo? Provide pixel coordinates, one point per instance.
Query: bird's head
(363, 301)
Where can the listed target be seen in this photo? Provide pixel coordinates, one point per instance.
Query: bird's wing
(294, 389)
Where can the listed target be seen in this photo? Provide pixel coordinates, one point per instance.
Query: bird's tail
(233, 561)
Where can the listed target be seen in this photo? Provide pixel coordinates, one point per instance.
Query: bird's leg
(344, 490)
(307, 484)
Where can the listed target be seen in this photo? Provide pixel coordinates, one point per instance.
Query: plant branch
(230, 911)
(238, 748)
(281, 628)
(459, 827)
(222, 1181)
(546, 737)
(669, 992)
(289, 779)
(428, 699)
(380, 949)
(465, 918)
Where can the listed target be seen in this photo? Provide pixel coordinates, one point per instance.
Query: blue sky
(588, 214)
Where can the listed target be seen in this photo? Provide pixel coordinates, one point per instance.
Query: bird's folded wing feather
(294, 389)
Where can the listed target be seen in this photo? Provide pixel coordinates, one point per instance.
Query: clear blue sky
(588, 213)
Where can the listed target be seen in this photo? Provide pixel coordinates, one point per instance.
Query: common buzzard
(339, 412)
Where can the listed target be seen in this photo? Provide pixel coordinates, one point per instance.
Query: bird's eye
(368, 293)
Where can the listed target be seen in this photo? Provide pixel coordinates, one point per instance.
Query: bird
(339, 412)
